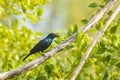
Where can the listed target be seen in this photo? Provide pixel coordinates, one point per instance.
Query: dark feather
(42, 45)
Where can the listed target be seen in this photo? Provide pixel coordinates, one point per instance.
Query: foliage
(103, 63)
(27, 8)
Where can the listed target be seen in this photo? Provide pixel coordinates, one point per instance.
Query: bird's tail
(26, 56)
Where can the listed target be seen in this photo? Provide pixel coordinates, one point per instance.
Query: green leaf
(41, 76)
(99, 25)
(93, 5)
(101, 6)
(84, 21)
(115, 41)
(113, 61)
(105, 77)
(15, 24)
(75, 29)
(49, 68)
(79, 38)
(72, 29)
(118, 65)
(39, 11)
(84, 46)
(23, 8)
(101, 50)
(113, 29)
(110, 12)
(108, 58)
(32, 18)
(106, 1)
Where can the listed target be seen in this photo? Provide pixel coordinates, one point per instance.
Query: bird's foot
(43, 54)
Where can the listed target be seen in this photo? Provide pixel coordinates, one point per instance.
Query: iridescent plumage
(42, 45)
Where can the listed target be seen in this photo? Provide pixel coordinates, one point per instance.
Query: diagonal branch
(98, 36)
(41, 59)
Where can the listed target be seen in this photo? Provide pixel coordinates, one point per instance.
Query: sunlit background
(57, 15)
(25, 22)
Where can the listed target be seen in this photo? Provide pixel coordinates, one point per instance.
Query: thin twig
(41, 59)
(98, 36)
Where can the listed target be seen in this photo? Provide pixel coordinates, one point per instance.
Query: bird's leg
(47, 51)
(42, 53)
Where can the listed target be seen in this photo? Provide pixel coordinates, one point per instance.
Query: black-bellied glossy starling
(42, 45)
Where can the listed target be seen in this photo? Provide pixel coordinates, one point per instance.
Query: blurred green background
(53, 14)
(24, 22)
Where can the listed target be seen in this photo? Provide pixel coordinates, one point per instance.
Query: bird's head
(52, 35)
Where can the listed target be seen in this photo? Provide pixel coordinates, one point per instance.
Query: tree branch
(41, 59)
(98, 36)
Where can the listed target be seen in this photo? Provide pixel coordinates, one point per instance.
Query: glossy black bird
(42, 45)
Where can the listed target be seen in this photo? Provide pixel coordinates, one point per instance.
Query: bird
(42, 44)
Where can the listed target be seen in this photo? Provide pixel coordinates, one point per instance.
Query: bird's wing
(40, 46)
